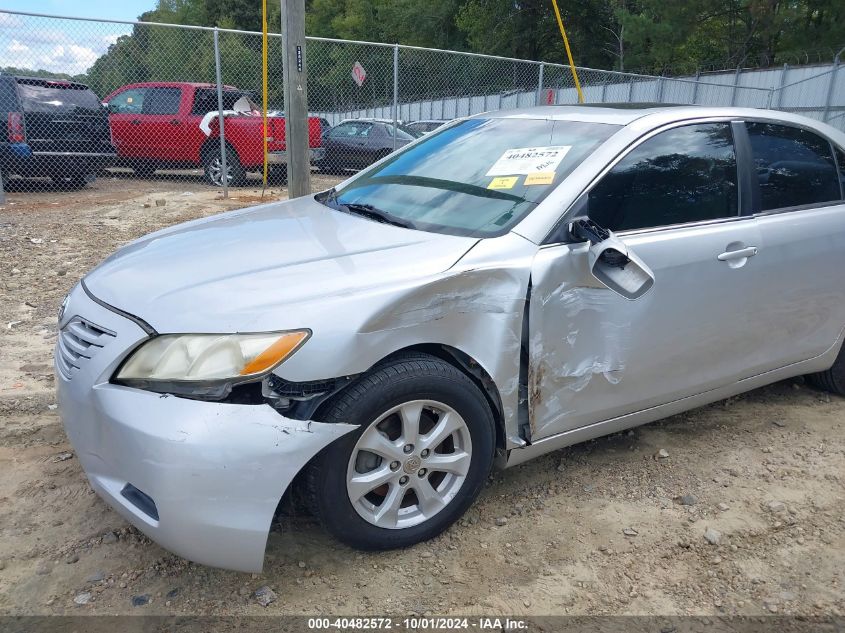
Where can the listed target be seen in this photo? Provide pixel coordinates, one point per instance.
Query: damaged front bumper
(202, 479)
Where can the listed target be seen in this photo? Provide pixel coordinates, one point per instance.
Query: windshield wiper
(369, 211)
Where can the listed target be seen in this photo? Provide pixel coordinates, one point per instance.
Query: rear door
(62, 117)
(802, 221)
(674, 199)
(161, 128)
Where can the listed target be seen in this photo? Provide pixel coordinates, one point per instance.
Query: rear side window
(686, 174)
(48, 96)
(162, 100)
(205, 100)
(794, 166)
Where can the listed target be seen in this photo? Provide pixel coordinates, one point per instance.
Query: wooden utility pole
(295, 80)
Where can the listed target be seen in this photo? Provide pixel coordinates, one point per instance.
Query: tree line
(649, 36)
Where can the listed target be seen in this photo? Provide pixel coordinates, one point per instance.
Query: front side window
(128, 102)
(794, 166)
(477, 177)
(162, 100)
(686, 174)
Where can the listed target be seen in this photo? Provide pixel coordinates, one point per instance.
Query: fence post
(221, 125)
(782, 82)
(395, 91)
(736, 85)
(695, 86)
(830, 88)
(2, 190)
(631, 89)
(539, 99)
(660, 89)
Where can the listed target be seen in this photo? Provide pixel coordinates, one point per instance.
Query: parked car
(426, 126)
(157, 126)
(517, 283)
(54, 128)
(358, 143)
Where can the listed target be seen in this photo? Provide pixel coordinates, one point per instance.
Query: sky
(68, 46)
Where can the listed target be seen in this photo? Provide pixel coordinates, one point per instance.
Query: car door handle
(741, 253)
(135, 122)
(174, 121)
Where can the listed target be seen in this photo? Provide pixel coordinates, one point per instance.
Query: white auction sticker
(528, 160)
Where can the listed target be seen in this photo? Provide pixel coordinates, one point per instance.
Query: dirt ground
(614, 526)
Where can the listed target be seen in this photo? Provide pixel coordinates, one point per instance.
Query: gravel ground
(735, 508)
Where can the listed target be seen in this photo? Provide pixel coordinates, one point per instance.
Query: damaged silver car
(507, 285)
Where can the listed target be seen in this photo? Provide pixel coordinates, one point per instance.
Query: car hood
(221, 274)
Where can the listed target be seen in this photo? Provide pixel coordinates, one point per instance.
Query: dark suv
(54, 128)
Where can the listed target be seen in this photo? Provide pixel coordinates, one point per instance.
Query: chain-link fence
(164, 107)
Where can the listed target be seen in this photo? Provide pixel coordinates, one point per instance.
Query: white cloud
(71, 59)
(16, 47)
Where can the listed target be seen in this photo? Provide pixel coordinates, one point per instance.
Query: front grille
(79, 340)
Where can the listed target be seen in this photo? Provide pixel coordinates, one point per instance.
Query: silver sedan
(505, 286)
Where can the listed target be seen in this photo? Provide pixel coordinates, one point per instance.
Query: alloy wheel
(409, 464)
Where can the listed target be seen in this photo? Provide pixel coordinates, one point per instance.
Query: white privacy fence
(816, 91)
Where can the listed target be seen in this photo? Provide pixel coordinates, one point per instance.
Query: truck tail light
(15, 128)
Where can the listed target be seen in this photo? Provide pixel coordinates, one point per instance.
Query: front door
(594, 355)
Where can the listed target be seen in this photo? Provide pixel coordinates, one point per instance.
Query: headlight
(207, 365)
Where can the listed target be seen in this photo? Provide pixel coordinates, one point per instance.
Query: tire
(445, 398)
(832, 380)
(213, 168)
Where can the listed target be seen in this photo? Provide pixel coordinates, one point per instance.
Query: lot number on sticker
(503, 183)
(529, 160)
(540, 178)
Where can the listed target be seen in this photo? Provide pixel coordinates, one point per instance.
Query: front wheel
(418, 460)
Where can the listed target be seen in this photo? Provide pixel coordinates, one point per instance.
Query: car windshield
(478, 177)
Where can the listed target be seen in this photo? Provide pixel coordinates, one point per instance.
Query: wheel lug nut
(403, 479)
(421, 472)
(424, 453)
(394, 465)
(408, 448)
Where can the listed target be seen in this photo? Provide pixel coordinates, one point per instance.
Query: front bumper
(215, 472)
(281, 157)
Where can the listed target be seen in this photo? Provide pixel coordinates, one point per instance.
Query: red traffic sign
(358, 73)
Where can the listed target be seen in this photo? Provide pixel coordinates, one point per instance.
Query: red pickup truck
(156, 125)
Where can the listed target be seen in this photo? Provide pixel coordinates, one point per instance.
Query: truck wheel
(213, 166)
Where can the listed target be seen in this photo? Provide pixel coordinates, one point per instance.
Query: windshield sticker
(540, 178)
(503, 183)
(529, 160)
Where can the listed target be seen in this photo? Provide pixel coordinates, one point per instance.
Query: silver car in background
(505, 286)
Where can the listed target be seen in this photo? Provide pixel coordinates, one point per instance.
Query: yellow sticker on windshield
(540, 178)
(503, 182)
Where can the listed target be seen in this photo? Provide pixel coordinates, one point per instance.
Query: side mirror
(611, 263)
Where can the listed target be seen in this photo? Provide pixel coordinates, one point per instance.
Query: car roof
(647, 114)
